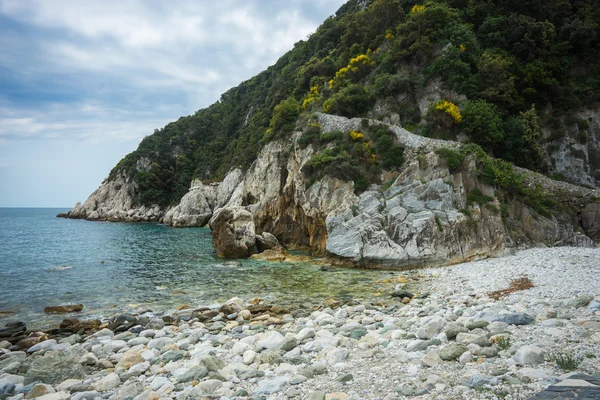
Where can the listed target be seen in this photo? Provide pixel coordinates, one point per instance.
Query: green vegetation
(523, 66)
(476, 196)
(454, 158)
(359, 156)
(566, 361)
(503, 342)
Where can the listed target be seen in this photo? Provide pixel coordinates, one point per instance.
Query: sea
(114, 268)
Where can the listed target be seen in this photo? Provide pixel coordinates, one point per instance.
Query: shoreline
(512, 347)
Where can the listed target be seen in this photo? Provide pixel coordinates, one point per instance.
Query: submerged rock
(64, 309)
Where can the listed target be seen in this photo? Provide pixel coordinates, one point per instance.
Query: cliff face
(113, 201)
(423, 218)
(576, 156)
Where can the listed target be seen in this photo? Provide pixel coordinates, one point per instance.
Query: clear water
(113, 268)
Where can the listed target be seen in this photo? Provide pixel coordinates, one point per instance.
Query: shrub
(482, 123)
(477, 196)
(331, 136)
(284, 115)
(454, 158)
(350, 102)
(449, 108)
(566, 361)
(356, 136)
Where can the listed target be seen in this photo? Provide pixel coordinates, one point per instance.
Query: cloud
(96, 76)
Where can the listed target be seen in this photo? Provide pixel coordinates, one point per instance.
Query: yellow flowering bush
(355, 135)
(313, 95)
(355, 65)
(462, 47)
(388, 35)
(449, 108)
(417, 8)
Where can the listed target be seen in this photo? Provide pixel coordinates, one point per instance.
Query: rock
(316, 396)
(465, 357)
(88, 359)
(68, 384)
(270, 340)
(209, 386)
(529, 355)
(336, 396)
(155, 324)
(270, 386)
(130, 390)
(477, 324)
(87, 395)
(56, 367)
(345, 378)
(107, 383)
(580, 301)
(47, 344)
(63, 309)
(233, 232)
(517, 319)
(479, 380)
(194, 373)
(129, 359)
(147, 395)
(266, 241)
(357, 333)
(213, 363)
(488, 352)
(430, 328)
(454, 330)
(336, 356)
(122, 322)
(39, 390)
(401, 294)
(274, 255)
(468, 338)
(55, 396)
(452, 351)
(431, 359)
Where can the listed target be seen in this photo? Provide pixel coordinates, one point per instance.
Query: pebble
(453, 343)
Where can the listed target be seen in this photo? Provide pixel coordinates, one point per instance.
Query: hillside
(519, 78)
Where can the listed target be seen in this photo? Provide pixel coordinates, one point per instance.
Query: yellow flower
(355, 135)
(462, 47)
(417, 8)
(389, 35)
(449, 108)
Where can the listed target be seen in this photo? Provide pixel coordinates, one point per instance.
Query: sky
(83, 81)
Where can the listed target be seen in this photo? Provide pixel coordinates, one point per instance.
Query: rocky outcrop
(424, 217)
(197, 206)
(233, 232)
(576, 156)
(114, 201)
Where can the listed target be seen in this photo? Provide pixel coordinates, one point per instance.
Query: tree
(482, 123)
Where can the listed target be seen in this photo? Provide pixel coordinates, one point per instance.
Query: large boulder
(233, 232)
(56, 367)
(266, 241)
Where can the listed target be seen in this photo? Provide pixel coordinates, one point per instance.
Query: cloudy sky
(83, 81)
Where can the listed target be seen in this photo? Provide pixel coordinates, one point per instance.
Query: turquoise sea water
(113, 268)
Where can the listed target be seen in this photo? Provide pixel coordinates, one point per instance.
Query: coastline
(394, 348)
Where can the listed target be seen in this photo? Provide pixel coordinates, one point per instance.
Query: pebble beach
(442, 333)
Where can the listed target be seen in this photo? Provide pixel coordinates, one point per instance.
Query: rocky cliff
(114, 201)
(425, 216)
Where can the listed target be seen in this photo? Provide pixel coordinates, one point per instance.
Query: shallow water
(123, 267)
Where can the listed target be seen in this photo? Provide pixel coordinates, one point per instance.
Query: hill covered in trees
(515, 75)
